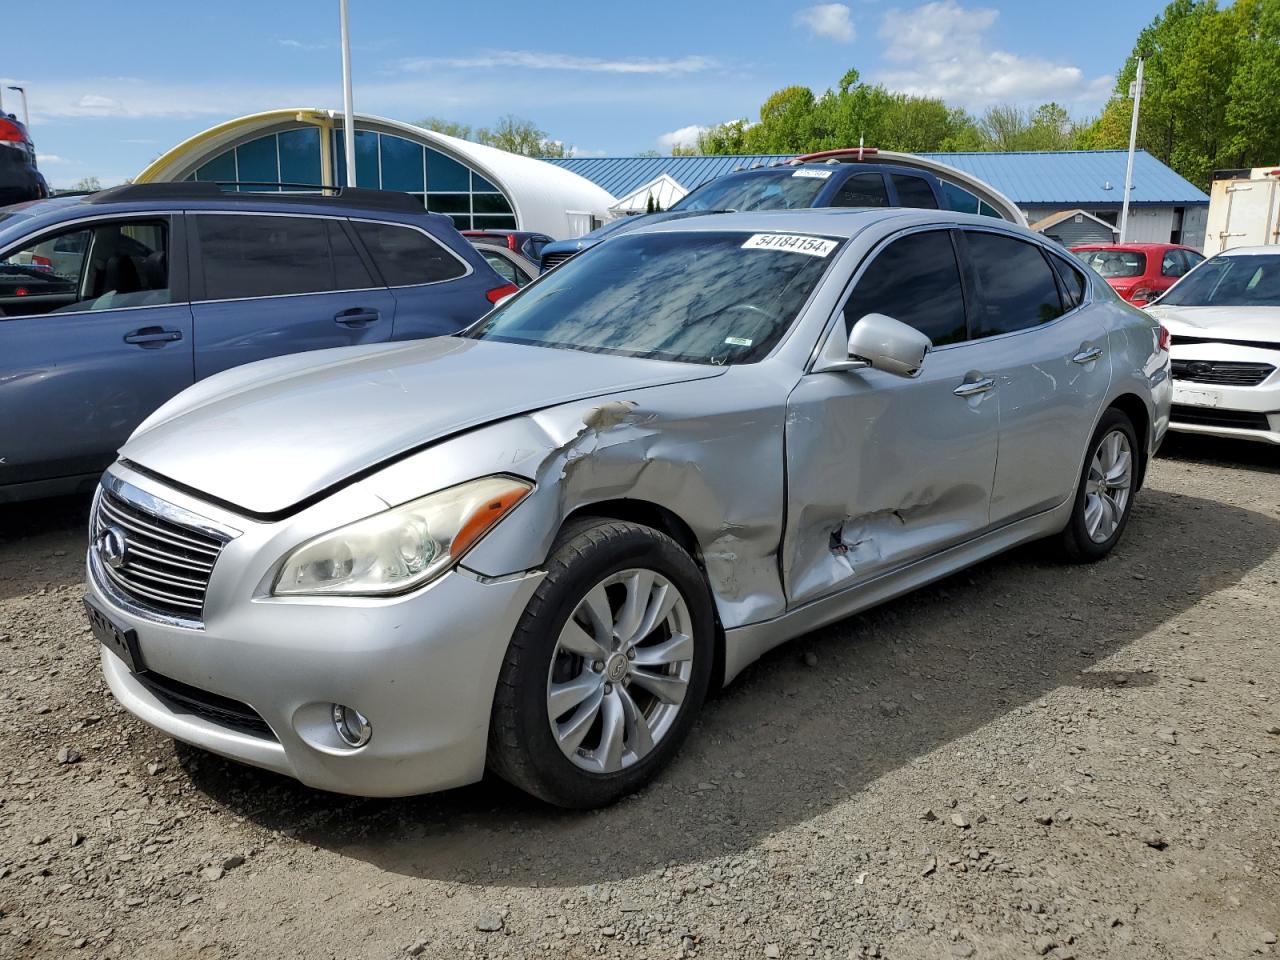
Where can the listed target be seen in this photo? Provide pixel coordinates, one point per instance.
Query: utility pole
(26, 117)
(348, 114)
(1135, 91)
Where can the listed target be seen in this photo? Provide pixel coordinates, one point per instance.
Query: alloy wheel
(620, 670)
(1107, 488)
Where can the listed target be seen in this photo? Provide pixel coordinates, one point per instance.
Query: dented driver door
(883, 470)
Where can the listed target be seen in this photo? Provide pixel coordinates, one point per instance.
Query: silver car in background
(536, 545)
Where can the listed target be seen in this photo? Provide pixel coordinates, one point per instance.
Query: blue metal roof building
(1163, 206)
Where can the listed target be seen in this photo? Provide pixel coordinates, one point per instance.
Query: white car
(1224, 317)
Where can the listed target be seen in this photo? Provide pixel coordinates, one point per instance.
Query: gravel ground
(1023, 760)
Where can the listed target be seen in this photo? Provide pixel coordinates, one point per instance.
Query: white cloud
(584, 152)
(535, 60)
(48, 158)
(299, 45)
(684, 137)
(827, 20)
(942, 51)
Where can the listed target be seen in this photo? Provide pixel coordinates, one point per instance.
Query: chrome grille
(164, 566)
(1225, 372)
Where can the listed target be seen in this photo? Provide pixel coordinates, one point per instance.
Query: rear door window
(1016, 287)
(246, 256)
(405, 256)
(862, 190)
(1073, 283)
(915, 280)
(914, 192)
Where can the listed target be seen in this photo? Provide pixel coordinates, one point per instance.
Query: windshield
(698, 297)
(1114, 263)
(786, 189)
(1241, 281)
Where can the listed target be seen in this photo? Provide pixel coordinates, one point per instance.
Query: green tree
(450, 128)
(1253, 103)
(516, 135)
(88, 185)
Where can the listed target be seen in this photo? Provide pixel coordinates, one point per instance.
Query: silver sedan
(537, 545)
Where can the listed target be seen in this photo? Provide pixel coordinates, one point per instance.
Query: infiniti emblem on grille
(112, 547)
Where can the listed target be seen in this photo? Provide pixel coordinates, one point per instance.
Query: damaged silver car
(536, 545)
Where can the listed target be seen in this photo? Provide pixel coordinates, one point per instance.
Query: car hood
(1255, 324)
(269, 435)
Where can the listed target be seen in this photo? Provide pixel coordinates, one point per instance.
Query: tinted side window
(862, 190)
(1172, 264)
(915, 280)
(349, 271)
(251, 256)
(914, 192)
(407, 256)
(960, 199)
(504, 268)
(1073, 283)
(1017, 287)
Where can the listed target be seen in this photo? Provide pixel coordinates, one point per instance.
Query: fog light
(352, 725)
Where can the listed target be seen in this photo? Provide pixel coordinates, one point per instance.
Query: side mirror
(889, 345)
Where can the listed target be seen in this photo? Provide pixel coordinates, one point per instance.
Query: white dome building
(480, 187)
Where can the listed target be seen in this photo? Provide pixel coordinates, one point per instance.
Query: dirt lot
(1023, 760)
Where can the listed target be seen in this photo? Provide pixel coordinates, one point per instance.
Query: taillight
(497, 293)
(10, 131)
(511, 242)
(1141, 296)
(1164, 338)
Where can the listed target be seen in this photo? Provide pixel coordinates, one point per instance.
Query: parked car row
(20, 178)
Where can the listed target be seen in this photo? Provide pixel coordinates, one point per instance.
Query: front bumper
(422, 667)
(1246, 413)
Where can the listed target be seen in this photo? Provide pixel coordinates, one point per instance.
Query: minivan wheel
(607, 668)
(1104, 497)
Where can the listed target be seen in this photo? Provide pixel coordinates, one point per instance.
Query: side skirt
(745, 645)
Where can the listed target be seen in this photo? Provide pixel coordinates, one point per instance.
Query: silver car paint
(887, 485)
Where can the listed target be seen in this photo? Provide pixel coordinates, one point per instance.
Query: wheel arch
(1133, 407)
(655, 515)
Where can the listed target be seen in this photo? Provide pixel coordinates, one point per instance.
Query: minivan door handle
(152, 336)
(355, 317)
(973, 387)
(1087, 356)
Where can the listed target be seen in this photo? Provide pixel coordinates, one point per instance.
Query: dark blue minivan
(112, 303)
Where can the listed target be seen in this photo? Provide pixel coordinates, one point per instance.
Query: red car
(1139, 272)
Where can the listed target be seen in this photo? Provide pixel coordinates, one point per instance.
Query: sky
(109, 93)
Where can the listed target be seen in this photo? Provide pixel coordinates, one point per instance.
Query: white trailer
(1244, 210)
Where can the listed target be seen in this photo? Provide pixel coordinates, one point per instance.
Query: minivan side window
(1015, 283)
(916, 280)
(914, 192)
(862, 190)
(115, 264)
(265, 256)
(406, 256)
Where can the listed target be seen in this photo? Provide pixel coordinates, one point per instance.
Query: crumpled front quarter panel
(710, 451)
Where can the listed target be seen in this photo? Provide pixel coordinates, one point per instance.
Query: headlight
(402, 548)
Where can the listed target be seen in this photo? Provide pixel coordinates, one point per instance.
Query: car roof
(830, 221)
(1142, 247)
(1272, 249)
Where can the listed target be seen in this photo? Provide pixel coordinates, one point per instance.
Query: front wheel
(1104, 497)
(607, 667)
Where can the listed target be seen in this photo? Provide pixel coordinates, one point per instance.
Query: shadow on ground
(1195, 448)
(787, 742)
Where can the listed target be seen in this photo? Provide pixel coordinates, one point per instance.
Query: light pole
(1135, 91)
(26, 117)
(348, 114)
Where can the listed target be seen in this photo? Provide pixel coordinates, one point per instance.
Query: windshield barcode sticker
(815, 174)
(791, 242)
(737, 341)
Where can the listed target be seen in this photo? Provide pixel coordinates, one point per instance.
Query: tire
(595, 568)
(1086, 539)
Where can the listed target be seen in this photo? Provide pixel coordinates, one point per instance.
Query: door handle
(974, 387)
(1087, 356)
(152, 335)
(357, 317)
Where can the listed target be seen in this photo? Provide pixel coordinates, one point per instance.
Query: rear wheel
(1104, 496)
(607, 668)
